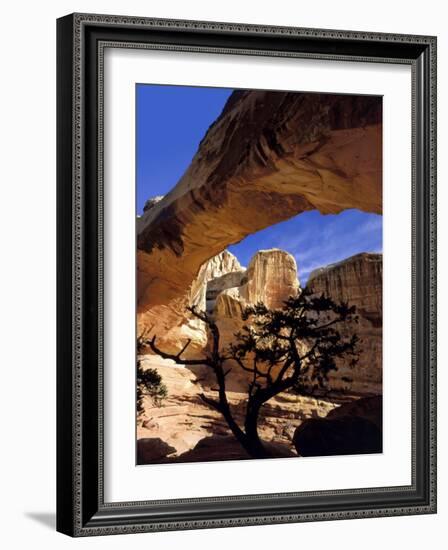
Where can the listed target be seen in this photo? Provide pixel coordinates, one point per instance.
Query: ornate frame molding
(81, 42)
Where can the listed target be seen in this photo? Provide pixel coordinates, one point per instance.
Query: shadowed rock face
(228, 448)
(152, 449)
(343, 435)
(370, 408)
(352, 428)
(268, 157)
(358, 281)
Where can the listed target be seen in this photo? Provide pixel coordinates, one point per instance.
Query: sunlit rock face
(222, 271)
(271, 278)
(173, 324)
(268, 157)
(358, 281)
(221, 285)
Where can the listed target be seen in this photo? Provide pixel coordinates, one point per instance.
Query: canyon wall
(271, 278)
(224, 288)
(358, 281)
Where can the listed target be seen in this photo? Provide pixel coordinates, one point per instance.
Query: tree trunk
(255, 446)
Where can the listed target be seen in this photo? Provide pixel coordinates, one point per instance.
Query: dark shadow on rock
(370, 408)
(153, 450)
(48, 519)
(226, 447)
(345, 435)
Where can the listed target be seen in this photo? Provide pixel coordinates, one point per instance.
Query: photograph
(259, 273)
(222, 227)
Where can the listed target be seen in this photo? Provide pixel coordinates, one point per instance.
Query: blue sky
(172, 120)
(316, 240)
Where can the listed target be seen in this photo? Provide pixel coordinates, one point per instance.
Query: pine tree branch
(214, 404)
(176, 357)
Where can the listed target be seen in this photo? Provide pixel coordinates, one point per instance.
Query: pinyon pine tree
(289, 349)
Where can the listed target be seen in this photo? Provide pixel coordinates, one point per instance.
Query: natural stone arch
(268, 157)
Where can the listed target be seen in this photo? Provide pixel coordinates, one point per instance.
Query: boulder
(152, 450)
(370, 408)
(345, 435)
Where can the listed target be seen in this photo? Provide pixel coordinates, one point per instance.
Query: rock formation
(271, 278)
(345, 435)
(153, 449)
(226, 447)
(370, 408)
(218, 273)
(268, 157)
(358, 281)
(352, 428)
(173, 324)
(224, 288)
(151, 202)
(185, 429)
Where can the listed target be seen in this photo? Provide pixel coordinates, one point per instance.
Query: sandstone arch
(268, 157)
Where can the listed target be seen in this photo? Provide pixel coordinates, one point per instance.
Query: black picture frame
(81, 510)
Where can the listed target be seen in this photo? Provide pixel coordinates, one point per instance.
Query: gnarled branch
(215, 404)
(176, 357)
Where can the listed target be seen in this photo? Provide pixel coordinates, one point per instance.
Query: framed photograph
(246, 274)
